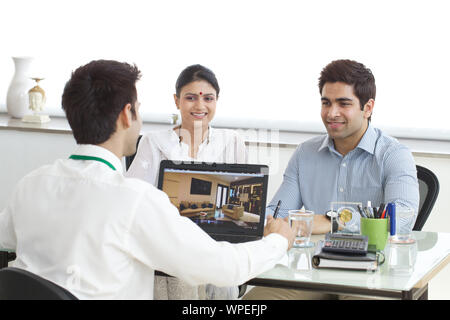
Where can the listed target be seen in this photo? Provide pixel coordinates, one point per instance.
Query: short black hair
(352, 73)
(193, 73)
(94, 97)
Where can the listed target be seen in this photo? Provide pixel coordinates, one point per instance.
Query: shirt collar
(366, 143)
(327, 142)
(100, 152)
(368, 140)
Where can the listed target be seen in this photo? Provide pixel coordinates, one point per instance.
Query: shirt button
(341, 189)
(344, 164)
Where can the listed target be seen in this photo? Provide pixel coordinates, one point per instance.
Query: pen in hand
(275, 213)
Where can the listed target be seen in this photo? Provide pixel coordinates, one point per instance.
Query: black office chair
(429, 190)
(129, 159)
(6, 257)
(18, 284)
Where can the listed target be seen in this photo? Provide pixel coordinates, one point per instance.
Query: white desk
(430, 254)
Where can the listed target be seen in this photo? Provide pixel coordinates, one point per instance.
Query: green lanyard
(77, 157)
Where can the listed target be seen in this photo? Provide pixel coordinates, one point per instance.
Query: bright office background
(267, 55)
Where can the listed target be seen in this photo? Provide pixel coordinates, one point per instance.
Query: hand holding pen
(280, 226)
(275, 213)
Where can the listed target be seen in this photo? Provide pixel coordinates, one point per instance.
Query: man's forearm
(321, 224)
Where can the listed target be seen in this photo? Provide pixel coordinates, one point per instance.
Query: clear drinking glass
(401, 258)
(302, 222)
(404, 223)
(300, 259)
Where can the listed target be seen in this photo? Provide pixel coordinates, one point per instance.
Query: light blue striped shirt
(379, 169)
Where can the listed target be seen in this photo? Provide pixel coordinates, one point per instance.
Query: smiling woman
(197, 92)
(196, 96)
(197, 109)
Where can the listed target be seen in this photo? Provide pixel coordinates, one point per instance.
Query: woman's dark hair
(94, 97)
(352, 73)
(193, 73)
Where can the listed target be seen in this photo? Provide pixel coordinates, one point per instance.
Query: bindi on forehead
(200, 93)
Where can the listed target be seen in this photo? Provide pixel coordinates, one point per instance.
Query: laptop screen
(220, 198)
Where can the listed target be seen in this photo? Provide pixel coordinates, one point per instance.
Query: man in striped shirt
(353, 162)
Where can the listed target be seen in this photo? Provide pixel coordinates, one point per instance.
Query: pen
(391, 213)
(383, 215)
(361, 213)
(381, 210)
(275, 213)
(393, 220)
(376, 212)
(369, 209)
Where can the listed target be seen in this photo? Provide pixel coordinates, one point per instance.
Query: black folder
(323, 259)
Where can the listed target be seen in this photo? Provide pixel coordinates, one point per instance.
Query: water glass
(401, 258)
(404, 223)
(302, 223)
(300, 259)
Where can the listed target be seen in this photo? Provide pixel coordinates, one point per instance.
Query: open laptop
(228, 201)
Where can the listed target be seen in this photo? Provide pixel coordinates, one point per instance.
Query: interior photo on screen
(221, 198)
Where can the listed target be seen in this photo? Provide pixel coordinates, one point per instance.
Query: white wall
(23, 151)
(267, 54)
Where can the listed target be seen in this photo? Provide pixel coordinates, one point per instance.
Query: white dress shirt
(89, 229)
(221, 145)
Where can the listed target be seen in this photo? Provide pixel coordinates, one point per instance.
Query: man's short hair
(94, 97)
(352, 73)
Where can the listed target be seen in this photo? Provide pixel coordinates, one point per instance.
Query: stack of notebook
(322, 259)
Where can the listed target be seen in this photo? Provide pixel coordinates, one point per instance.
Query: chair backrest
(429, 190)
(18, 284)
(129, 159)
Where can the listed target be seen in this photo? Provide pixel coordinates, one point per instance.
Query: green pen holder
(376, 230)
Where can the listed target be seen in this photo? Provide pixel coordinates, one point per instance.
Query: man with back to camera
(81, 224)
(354, 162)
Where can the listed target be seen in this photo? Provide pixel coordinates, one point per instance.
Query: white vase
(17, 101)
